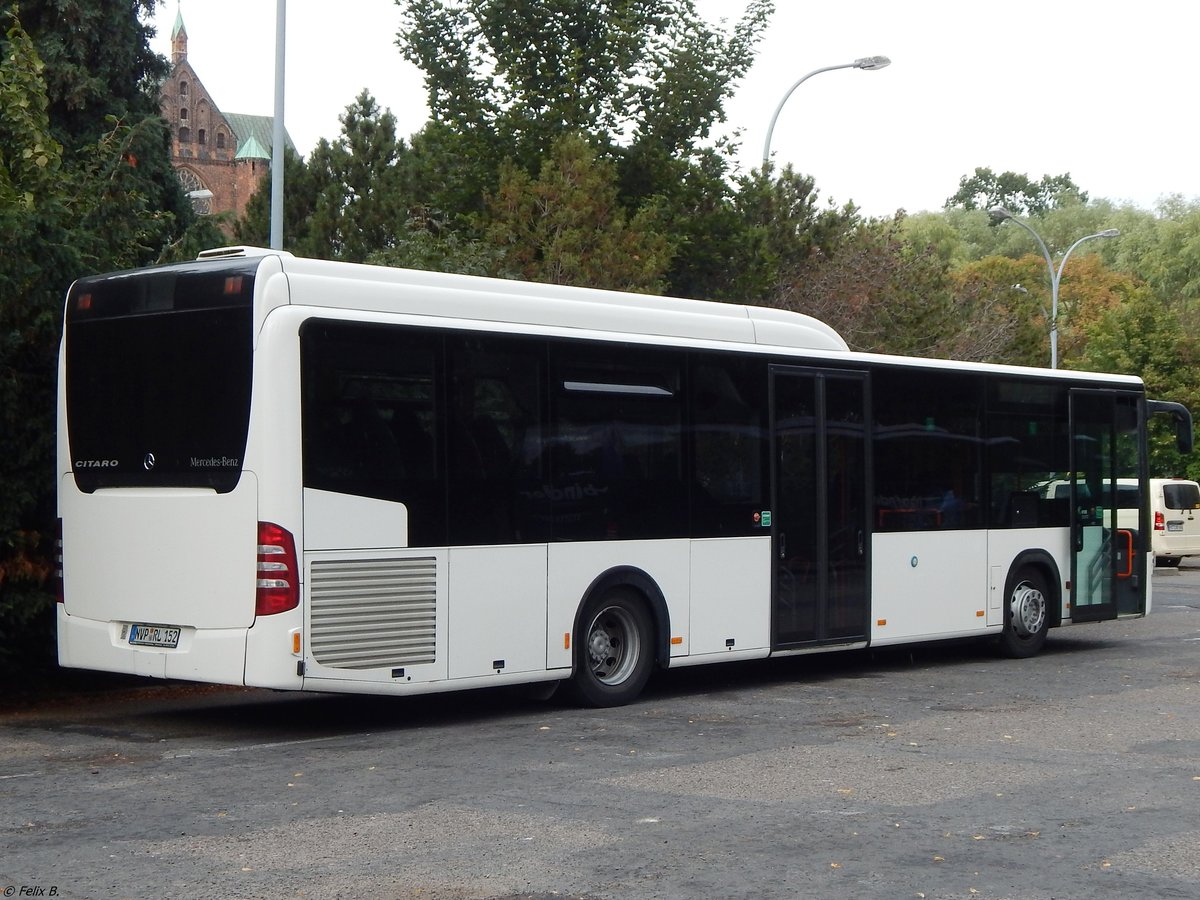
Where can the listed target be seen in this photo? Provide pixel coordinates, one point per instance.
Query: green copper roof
(260, 129)
(178, 23)
(251, 149)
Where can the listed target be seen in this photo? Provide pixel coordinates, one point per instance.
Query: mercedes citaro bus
(313, 475)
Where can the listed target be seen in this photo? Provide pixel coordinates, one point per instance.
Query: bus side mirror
(1183, 421)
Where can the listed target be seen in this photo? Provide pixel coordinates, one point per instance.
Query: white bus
(309, 475)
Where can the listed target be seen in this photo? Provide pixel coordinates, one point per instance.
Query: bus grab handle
(1123, 548)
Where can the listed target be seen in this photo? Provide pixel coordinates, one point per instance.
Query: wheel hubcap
(1028, 610)
(613, 645)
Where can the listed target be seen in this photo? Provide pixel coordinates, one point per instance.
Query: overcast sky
(1100, 89)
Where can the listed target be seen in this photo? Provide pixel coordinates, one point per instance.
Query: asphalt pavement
(941, 771)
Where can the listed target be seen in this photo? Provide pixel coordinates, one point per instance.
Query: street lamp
(201, 201)
(867, 63)
(1000, 213)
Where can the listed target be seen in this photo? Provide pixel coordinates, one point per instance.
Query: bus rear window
(158, 373)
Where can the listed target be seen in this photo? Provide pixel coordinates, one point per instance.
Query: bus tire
(614, 649)
(1026, 613)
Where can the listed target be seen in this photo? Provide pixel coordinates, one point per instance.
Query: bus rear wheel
(1026, 613)
(614, 650)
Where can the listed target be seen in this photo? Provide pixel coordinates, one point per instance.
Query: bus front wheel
(614, 649)
(1026, 613)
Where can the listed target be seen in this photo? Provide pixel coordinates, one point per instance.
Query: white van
(1175, 509)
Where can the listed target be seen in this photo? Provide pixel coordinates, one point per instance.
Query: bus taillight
(1160, 522)
(278, 582)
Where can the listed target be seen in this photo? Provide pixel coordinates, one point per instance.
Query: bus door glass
(1107, 562)
(820, 466)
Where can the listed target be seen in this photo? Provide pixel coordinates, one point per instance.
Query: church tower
(178, 40)
(219, 157)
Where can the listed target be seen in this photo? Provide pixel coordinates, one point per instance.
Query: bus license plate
(154, 636)
(1174, 526)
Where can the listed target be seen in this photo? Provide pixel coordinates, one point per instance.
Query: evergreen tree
(102, 81)
(567, 226)
(85, 185)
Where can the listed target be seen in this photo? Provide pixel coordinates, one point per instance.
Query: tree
(85, 185)
(30, 156)
(299, 204)
(779, 225)
(880, 293)
(957, 236)
(1005, 306)
(101, 83)
(360, 205)
(98, 62)
(1088, 291)
(567, 226)
(1164, 249)
(369, 196)
(349, 200)
(451, 172)
(427, 243)
(525, 73)
(1142, 336)
(37, 251)
(1017, 193)
(644, 80)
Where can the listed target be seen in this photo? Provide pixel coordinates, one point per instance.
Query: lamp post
(1000, 213)
(277, 131)
(867, 63)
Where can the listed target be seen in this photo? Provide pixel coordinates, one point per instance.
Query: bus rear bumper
(210, 655)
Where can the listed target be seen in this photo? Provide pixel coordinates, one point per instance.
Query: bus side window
(728, 445)
(1026, 432)
(928, 457)
(370, 420)
(494, 388)
(616, 445)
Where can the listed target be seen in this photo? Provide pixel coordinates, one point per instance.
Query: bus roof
(310, 283)
(322, 283)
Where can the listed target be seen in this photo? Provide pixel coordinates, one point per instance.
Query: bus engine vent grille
(368, 613)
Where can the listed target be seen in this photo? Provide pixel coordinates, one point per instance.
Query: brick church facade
(220, 157)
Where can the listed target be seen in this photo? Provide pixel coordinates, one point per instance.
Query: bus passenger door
(1108, 562)
(819, 503)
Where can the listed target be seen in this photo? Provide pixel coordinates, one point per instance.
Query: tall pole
(867, 63)
(278, 131)
(1003, 214)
